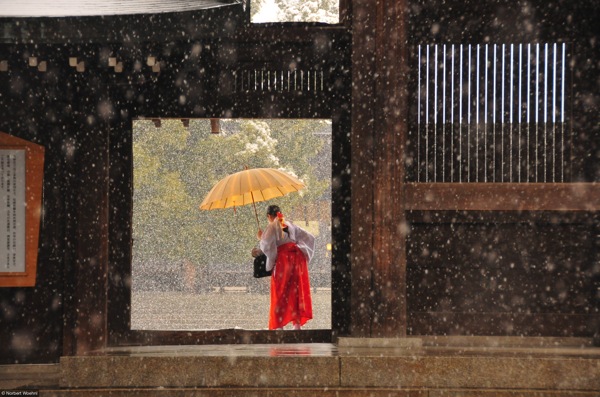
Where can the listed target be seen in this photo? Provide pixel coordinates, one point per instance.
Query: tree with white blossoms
(325, 11)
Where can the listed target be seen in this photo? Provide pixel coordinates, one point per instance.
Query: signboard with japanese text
(21, 185)
(12, 211)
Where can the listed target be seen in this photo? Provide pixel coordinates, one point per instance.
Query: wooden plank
(503, 196)
(478, 278)
(503, 324)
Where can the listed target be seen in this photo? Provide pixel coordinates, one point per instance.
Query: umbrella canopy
(250, 186)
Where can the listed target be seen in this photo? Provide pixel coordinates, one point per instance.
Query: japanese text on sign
(12, 211)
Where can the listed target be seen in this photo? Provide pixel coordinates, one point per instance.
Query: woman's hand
(259, 234)
(256, 252)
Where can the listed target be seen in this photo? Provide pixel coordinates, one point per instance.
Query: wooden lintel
(502, 196)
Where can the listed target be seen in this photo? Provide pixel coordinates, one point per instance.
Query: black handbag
(260, 266)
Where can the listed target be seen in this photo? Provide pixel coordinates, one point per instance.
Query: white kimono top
(271, 239)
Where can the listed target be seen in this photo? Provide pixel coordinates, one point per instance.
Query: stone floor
(424, 367)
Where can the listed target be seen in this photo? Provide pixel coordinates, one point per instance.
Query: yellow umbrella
(250, 186)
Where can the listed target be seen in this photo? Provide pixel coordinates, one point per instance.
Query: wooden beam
(503, 196)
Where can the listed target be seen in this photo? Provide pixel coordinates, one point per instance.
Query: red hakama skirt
(290, 288)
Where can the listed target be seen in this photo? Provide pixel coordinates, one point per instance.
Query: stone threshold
(32, 376)
(310, 392)
(403, 363)
(452, 366)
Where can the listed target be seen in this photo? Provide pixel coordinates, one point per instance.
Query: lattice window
(253, 80)
(492, 113)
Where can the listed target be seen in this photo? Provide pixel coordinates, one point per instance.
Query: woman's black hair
(273, 210)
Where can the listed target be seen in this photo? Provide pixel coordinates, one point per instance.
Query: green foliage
(175, 168)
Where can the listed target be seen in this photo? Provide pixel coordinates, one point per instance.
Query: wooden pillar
(86, 320)
(92, 250)
(379, 127)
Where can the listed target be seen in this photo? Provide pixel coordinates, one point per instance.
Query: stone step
(29, 376)
(407, 363)
(431, 372)
(310, 392)
(407, 367)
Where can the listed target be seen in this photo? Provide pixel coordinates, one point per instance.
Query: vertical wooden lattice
(492, 113)
(253, 80)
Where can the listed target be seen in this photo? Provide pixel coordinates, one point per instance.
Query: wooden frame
(34, 174)
(120, 295)
(265, 104)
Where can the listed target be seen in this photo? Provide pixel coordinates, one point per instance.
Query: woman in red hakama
(289, 249)
(290, 288)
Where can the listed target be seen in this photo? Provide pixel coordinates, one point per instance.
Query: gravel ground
(215, 310)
